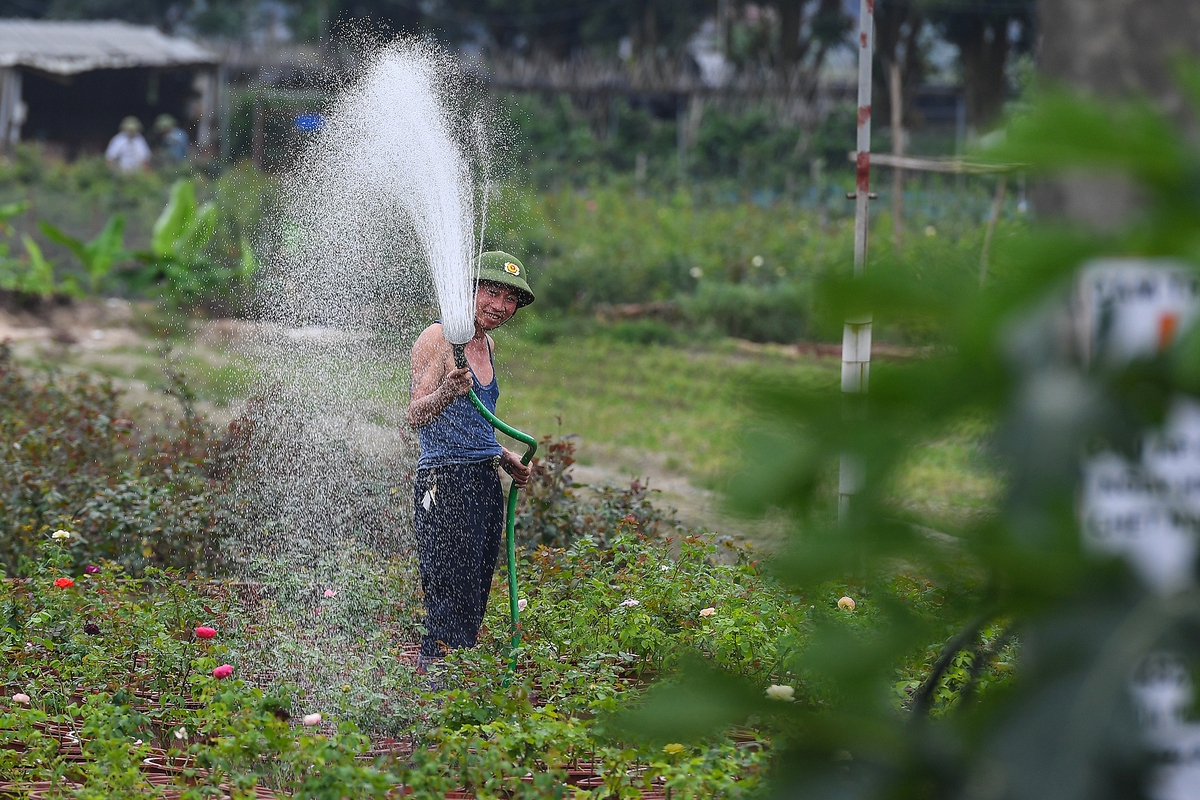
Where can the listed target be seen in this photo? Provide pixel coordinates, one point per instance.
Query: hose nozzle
(460, 355)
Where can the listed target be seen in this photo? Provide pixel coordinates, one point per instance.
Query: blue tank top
(460, 434)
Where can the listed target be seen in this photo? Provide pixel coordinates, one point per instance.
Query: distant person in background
(172, 139)
(128, 151)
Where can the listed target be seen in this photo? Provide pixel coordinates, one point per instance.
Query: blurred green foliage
(99, 255)
(726, 266)
(33, 275)
(550, 142)
(727, 259)
(1063, 726)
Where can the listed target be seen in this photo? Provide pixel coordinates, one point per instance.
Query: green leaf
(106, 249)
(1062, 131)
(39, 279)
(199, 232)
(249, 262)
(56, 234)
(175, 220)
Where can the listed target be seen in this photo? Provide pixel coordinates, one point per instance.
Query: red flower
(64, 583)
(222, 672)
(205, 632)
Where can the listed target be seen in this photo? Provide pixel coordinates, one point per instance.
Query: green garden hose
(510, 520)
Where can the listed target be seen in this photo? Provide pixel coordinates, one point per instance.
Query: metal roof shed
(72, 82)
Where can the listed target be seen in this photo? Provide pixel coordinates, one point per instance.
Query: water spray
(399, 144)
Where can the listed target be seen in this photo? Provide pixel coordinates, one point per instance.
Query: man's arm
(432, 387)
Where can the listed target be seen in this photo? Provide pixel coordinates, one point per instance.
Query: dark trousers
(458, 541)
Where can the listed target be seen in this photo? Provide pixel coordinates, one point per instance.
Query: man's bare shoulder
(431, 339)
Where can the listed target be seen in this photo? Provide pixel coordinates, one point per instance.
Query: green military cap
(500, 267)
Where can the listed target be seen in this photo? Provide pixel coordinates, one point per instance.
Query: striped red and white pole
(856, 334)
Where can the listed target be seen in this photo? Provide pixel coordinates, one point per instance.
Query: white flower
(777, 692)
(311, 720)
(707, 612)
(61, 534)
(665, 568)
(181, 734)
(21, 697)
(757, 261)
(629, 602)
(696, 273)
(137, 742)
(521, 604)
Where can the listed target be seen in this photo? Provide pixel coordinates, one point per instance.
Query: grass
(638, 409)
(683, 405)
(950, 481)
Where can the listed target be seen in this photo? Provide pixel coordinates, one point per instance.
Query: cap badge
(511, 268)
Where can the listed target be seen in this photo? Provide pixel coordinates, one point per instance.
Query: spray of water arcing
(394, 137)
(381, 204)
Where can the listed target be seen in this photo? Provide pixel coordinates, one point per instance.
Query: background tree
(898, 29)
(986, 33)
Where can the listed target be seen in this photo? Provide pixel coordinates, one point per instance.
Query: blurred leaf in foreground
(1014, 681)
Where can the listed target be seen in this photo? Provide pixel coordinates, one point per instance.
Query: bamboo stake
(856, 334)
(997, 207)
(897, 103)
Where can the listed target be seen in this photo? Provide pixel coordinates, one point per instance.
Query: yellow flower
(673, 749)
(846, 604)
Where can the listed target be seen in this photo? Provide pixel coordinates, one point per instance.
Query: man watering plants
(459, 500)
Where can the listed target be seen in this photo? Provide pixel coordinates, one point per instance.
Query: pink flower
(64, 583)
(330, 593)
(21, 697)
(222, 672)
(707, 612)
(205, 632)
(91, 569)
(629, 602)
(311, 720)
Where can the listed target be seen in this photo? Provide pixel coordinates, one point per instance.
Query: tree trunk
(897, 28)
(1118, 46)
(649, 38)
(983, 48)
(789, 31)
(1114, 48)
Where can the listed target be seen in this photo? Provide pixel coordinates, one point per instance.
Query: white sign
(1131, 308)
(1148, 509)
